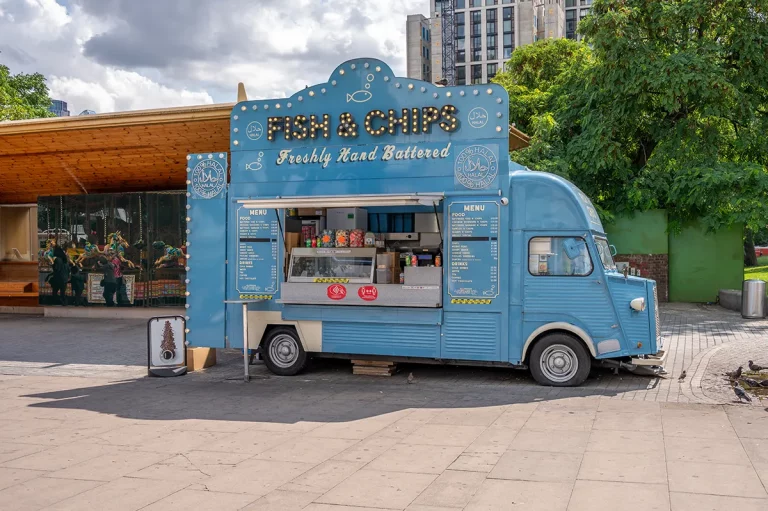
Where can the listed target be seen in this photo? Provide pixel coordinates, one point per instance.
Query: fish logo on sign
(255, 165)
(360, 96)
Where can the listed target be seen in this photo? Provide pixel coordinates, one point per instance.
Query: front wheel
(283, 352)
(559, 360)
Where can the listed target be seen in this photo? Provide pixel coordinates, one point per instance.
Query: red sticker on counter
(336, 292)
(368, 293)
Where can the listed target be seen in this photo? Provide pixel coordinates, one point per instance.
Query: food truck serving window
(559, 256)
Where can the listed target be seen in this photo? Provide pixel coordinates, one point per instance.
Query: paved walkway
(283, 444)
(80, 429)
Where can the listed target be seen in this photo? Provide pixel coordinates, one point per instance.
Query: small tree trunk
(750, 258)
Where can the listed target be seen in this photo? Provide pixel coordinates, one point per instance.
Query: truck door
(475, 297)
(564, 282)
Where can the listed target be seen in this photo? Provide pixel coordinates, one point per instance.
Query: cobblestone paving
(708, 341)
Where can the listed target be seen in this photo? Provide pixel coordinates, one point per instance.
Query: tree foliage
(668, 109)
(23, 96)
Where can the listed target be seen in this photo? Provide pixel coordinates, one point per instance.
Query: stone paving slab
(230, 445)
(460, 438)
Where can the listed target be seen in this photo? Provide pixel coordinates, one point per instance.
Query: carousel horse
(47, 253)
(171, 256)
(90, 251)
(116, 245)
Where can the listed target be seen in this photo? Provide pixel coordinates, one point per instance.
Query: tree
(23, 96)
(532, 72)
(670, 110)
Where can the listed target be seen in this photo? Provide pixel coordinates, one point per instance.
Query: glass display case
(354, 265)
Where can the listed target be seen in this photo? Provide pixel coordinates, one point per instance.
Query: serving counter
(345, 276)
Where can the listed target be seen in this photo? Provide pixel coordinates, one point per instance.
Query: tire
(559, 360)
(283, 353)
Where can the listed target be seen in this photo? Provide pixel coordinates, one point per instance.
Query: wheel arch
(559, 327)
(261, 324)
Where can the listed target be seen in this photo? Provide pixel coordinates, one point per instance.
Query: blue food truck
(380, 217)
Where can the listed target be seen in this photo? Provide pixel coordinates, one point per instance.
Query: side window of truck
(559, 256)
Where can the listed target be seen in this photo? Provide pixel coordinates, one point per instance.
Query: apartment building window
(586, 2)
(570, 24)
(461, 75)
(476, 43)
(507, 1)
(477, 48)
(460, 21)
(477, 20)
(491, 45)
(475, 3)
(459, 4)
(461, 56)
(509, 31)
(583, 14)
(491, 22)
(491, 70)
(491, 2)
(477, 73)
(570, 3)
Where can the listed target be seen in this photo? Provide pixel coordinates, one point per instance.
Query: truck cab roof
(545, 201)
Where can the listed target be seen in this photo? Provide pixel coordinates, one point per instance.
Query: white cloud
(109, 55)
(122, 90)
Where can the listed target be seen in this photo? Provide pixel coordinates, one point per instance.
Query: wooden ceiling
(122, 152)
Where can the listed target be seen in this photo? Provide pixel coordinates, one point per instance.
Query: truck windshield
(605, 253)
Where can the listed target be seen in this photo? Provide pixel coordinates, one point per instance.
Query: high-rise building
(419, 49)
(575, 11)
(479, 36)
(59, 108)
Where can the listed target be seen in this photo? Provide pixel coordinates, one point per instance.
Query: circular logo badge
(208, 178)
(478, 117)
(336, 292)
(368, 293)
(254, 131)
(476, 167)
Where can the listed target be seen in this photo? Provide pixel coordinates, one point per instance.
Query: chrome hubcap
(284, 351)
(559, 363)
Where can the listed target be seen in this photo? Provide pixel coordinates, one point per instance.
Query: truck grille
(656, 311)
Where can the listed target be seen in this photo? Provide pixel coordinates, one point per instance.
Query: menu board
(473, 258)
(257, 251)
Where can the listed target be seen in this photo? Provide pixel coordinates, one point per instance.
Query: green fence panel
(701, 263)
(641, 233)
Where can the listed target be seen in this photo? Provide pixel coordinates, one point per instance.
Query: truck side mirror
(613, 250)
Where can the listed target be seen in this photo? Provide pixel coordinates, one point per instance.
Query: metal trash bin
(753, 299)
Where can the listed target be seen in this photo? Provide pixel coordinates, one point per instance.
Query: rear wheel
(283, 352)
(559, 360)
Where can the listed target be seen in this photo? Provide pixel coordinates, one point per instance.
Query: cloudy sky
(114, 55)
